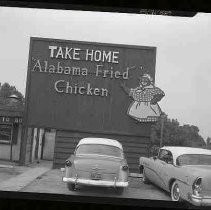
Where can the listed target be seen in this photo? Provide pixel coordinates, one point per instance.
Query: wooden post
(11, 143)
(22, 157)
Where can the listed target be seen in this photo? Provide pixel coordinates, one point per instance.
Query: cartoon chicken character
(144, 107)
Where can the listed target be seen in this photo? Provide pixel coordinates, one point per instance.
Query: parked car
(185, 172)
(97, 162)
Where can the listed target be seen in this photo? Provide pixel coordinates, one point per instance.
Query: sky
(183, 60)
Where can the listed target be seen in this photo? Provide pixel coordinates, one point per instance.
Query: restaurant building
(40, 141)
(11, 115)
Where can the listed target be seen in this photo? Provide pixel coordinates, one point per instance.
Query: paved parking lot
(8, 171)
(14, 177)
(51, 182)
(40, 178)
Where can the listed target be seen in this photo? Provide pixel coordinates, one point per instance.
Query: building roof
(11, 111)
(177, 151)
(103, 141)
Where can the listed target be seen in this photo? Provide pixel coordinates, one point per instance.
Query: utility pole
(162, 118)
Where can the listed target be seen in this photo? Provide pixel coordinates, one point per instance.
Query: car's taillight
(68, 163)
(197, 186)
(125, 167)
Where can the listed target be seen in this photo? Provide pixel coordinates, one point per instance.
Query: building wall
(5, 148)
(134, 146)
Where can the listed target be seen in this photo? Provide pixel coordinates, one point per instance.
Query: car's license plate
(96, 176)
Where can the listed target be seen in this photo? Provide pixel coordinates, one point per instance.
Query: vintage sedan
(185, 172)
(97, 162)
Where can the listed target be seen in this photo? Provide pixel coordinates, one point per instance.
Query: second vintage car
(97, 162)
(185, 172)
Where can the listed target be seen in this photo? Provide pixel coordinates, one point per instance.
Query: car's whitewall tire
(175, 192)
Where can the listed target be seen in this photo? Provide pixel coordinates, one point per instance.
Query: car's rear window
(100, 150)
(194, 159)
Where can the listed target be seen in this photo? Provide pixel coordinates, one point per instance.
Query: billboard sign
(90, 86)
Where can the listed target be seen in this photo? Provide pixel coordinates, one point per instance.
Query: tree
(6, 91)
(208, 140)
(176, 135)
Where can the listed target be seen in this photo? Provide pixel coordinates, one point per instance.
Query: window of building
(6, 133)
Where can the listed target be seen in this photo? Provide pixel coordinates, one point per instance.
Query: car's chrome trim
(200, 200)
(95, 182)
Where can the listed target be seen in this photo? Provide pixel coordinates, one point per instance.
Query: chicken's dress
(141, 109)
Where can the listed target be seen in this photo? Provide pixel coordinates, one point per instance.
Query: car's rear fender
(70, 170)
(123, 173)
(123, 176)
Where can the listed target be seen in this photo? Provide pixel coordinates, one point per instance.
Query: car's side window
(161, 154)
(165, 156)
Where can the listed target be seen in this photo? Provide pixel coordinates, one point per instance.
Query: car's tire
(175, 192)
(120, 190)
(71, 186)
(144, 178)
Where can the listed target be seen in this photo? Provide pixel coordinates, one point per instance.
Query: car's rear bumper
(102, 183)
(200, 200)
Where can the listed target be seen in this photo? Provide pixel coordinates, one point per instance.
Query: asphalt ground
(13, 177)
(51, 182)
(40, 178)
(16, 183)
(8, 171)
